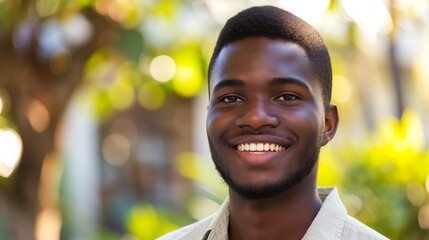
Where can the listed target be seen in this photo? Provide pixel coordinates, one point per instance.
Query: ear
(331, 123)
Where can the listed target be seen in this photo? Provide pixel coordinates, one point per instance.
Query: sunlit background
(103, 104)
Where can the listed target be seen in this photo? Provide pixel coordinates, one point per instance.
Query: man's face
(266, 120)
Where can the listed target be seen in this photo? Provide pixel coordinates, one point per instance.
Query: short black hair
(278, 24)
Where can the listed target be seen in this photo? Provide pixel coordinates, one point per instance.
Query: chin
(260, 192)
(267, 189)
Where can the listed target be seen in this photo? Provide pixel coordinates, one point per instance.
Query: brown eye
(231, 99)
(288, 97)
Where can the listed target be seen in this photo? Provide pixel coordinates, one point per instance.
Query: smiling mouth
(259, 147)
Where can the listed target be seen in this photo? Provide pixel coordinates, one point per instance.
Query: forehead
(261, 58)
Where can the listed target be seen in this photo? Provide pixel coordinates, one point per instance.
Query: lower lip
(258, 158)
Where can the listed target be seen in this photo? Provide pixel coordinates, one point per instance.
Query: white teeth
(266, 146)
(253, 147)
(260, 147)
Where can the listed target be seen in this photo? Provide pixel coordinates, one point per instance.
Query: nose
(257, 114)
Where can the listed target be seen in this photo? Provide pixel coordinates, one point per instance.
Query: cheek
(215, 123)
(308, 121)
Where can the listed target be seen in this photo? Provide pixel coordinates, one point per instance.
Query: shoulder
(193, 231)
(354, 229)
(215, 225)
(333, 221)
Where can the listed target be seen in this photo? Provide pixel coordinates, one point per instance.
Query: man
(269, 114)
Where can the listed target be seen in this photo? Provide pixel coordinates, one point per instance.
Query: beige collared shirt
(331, 223)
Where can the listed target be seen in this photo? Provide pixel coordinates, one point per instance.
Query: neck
(286, 216)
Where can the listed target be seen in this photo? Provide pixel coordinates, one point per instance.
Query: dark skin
(282, 217)
(264, 92)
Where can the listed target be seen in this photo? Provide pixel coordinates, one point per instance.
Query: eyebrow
(228, 83)
(275, 82)
(284, 81)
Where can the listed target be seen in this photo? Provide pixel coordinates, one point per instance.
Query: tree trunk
(25, 77)
(395, 67)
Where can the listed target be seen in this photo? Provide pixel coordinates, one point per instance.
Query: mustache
(251, 131)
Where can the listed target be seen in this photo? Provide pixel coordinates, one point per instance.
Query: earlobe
(331, 124)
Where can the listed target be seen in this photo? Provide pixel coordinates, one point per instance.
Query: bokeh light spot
(371, 16)
(48, 224)
(116, 149)
(143, 215)
(202, 207)
(162, 68)
(414, 130)
(341, 89)
(77, 23)
(10, 151)
(47, 7)
(121, 94)
(38, 116)
(127, 128)
(100, 67)
(127, 12)
(415, 193)
(354, 203)
(424, 217)
(187, 164)
(186, 83)
(151, 96)
(329, 170)
(313, 14)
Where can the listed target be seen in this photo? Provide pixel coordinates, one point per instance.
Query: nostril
(257, 119)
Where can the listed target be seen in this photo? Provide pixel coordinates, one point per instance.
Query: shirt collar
(330, 220)
(327, 224)
(218, 229)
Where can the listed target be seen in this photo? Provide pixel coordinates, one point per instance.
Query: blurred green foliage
(145, 222)
(384, 177)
